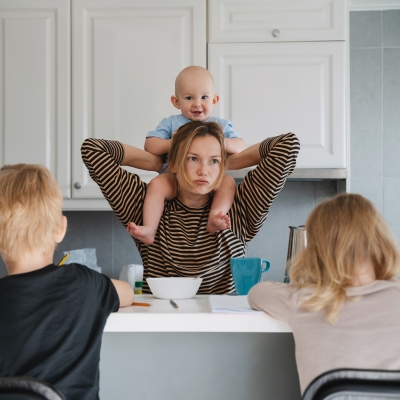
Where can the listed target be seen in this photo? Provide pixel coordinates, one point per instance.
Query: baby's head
(31, 217)
(194, 93)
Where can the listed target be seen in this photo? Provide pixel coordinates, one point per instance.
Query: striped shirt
(182, 245)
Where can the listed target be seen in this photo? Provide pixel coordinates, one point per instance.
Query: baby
(195, 97)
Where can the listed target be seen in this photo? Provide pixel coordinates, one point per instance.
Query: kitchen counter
(192, 315)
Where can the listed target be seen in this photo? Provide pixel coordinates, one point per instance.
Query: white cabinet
(126, 55)
(276, 20)
(268, 89)
(296, 84)
(35, 86)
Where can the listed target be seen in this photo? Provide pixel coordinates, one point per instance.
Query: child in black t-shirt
(51, 317)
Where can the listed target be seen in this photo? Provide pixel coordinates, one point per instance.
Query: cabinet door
(126, 55)
(269, 89)
(277, 20)
(35, 85)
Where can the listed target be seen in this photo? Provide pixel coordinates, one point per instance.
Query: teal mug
(247, 272)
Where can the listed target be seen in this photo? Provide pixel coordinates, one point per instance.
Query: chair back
(354, 384)
(27, 388)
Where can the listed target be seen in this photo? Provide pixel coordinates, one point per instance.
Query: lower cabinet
(267, 89)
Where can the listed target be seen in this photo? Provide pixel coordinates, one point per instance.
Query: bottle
(138, 279)
(138, 287)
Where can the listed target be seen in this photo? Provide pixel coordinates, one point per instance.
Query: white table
(189, 353)
(192, 315)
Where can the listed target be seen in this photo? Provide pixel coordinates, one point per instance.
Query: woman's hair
(182, 141)
(342, 233)
(30, 210)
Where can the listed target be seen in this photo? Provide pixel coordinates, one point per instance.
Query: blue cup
(247, 272)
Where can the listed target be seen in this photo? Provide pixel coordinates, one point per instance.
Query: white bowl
(174, 288)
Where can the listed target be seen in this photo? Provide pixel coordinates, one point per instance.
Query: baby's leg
(158, 190)
(218, 219)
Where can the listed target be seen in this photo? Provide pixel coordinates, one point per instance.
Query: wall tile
(90, 229)
(391, 28)
(290, 208)
(324, 190)
(366, 112)
(365, 29)
(371, 188)
(391, 191)
(391, 111)
(125, 251)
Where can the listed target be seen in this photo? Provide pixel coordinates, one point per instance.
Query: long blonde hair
(341, 233)
(30, 210)
(182, 142)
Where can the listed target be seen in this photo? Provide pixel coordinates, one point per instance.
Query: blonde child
(343, 303)
(52, 317)
(195, 97)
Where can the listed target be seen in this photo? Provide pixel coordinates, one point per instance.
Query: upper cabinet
(283, 70)
(74, 69)
(126, 55)
(276, 20)
(35, 86)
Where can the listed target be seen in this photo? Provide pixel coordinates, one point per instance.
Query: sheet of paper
(225, 304)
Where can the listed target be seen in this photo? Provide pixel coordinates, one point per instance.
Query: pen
(173, 304)
(135, 303)
(63, 259)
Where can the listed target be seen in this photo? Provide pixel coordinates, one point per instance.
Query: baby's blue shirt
(169, 125)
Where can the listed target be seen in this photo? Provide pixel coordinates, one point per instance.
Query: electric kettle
(297, 243)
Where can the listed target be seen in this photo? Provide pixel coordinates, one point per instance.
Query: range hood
(303, 174)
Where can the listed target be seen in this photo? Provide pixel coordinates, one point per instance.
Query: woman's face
(203, 165)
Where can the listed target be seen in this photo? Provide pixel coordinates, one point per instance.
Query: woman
(182, 246)
(344, 301)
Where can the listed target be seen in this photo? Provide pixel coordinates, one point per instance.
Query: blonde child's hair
(341, 233)
(182, 141)
(30, 210)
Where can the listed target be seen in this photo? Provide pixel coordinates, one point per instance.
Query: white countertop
(192, 315)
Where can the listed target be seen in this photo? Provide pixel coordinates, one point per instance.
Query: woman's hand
(138, 158)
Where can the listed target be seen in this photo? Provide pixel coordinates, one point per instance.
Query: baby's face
(195, 97)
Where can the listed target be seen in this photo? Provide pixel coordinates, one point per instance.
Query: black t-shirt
(51, 325)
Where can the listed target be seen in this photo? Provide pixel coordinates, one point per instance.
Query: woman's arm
(123, 190)
(276, 159)
(157, 145)
(234, 145)
(245, 159)
(138, 158)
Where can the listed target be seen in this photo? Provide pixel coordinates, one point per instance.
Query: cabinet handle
(276, 32)
(77, 185)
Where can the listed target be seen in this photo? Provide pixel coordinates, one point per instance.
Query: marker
(63, 259)
(136, 303)
(173, 304)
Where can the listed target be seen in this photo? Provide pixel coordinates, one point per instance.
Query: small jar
(138, 287)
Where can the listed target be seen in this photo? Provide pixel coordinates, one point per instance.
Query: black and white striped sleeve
(260, 187)
(123, 190)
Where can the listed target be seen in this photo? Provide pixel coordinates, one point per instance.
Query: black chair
(354, 384)
(26, 388)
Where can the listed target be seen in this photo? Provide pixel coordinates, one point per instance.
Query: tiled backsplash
(115, 248)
